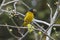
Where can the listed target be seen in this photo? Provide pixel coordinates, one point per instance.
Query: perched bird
(29, 17)
(27, 20)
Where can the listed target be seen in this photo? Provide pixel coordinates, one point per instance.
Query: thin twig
(24, 4)
(15, 6)
(40, 27)
(24, 35)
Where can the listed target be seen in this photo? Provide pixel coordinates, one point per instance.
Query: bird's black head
(32, 10)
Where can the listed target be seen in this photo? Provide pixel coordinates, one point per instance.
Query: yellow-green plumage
(28, 18)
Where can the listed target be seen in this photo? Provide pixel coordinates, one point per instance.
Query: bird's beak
(34, 10)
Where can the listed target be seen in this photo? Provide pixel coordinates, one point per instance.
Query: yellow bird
(29, 17)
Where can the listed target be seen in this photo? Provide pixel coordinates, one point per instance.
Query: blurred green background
(43, 13)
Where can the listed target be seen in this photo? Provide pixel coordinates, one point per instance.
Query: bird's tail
(25, 24)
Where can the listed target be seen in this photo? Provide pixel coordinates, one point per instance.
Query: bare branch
(2, 4)
(40, 21)
(56, 24)
(9, 2)
(53, 19)
(15, 6)
(55, 15)
(25, 4)
(51, 12)
(49, 30)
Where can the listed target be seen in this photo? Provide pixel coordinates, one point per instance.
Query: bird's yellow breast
(29, 16)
